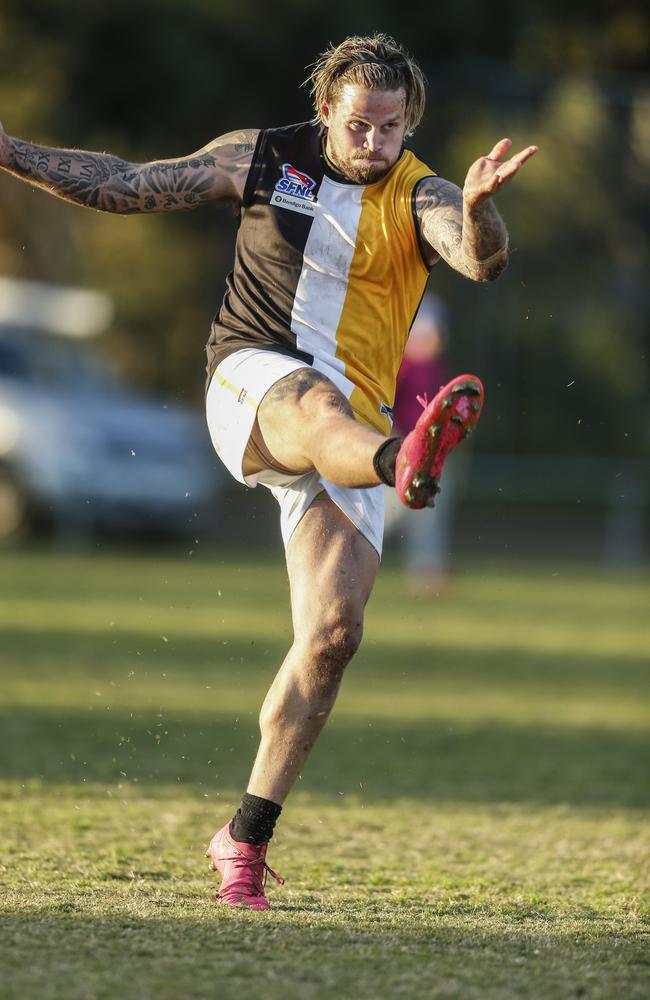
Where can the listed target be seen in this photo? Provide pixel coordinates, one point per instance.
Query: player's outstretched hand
(489, 174)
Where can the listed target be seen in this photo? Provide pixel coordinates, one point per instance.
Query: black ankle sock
(385, 458)
(254, 820)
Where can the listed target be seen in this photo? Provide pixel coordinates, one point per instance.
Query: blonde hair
(376, 62)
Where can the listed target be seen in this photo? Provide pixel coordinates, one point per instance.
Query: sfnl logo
(294, 191)
(295, 182)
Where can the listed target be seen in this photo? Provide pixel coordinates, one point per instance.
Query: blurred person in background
(424, 370)
(340, 225)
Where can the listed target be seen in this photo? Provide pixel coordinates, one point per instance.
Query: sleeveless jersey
(326, 271)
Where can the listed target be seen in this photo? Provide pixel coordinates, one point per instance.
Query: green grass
(472, 823)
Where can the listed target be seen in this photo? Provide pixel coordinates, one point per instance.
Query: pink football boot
(446, 420)
(243, 868)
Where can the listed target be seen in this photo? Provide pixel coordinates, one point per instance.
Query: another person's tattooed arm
(217, 172)
(463, 226)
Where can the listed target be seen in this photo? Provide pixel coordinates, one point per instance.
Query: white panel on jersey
(323, 283)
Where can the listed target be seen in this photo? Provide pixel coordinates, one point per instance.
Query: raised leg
(303, 423)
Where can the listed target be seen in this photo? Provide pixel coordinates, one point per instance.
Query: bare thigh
(295, 424)
(278, 412)
(332, 569)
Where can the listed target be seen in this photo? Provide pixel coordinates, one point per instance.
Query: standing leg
(331, 572)
(332, 568)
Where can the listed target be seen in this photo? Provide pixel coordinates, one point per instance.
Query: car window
(56, 363)
(13, 363)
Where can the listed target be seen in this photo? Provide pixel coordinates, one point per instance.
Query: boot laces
(423, 400)
(254, 873)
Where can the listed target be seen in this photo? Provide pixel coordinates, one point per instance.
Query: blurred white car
(82, 450)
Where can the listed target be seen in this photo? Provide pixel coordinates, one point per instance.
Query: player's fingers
(500, 178)
(507, 170)
(511, 166)
(501, 148)
(524, 155)
(492, 184)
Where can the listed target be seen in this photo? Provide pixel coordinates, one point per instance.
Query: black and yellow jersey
(325, 270)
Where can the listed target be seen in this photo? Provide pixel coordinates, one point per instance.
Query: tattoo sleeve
(475, 242)
(216, 172)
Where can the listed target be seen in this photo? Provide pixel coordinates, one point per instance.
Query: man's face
(365, 131)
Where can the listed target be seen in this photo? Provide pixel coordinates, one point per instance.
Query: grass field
(472, 824)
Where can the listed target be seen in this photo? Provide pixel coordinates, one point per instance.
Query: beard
(360, 168)
(365, 171)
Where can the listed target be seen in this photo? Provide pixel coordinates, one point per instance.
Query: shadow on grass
(376, 759)
(112, 656)
(365, 949)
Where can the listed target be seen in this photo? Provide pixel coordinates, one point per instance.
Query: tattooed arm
(464, 227)
(217, 172)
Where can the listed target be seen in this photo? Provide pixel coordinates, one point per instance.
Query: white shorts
(236, 390)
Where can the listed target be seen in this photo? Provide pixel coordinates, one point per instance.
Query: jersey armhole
(416, 223)
(254, 169)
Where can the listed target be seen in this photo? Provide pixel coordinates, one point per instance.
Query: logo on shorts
(294, 190)
(242, 395)
(387, 411)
